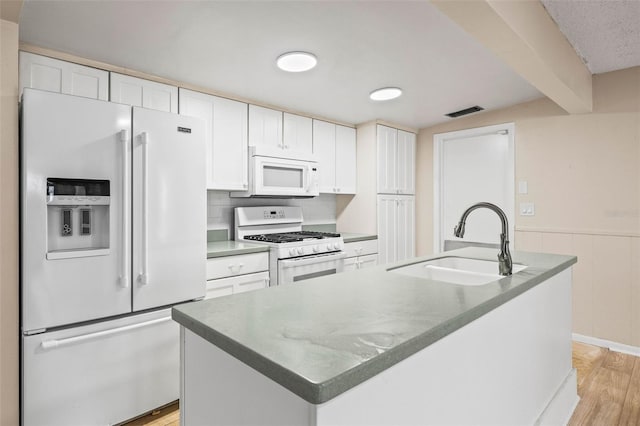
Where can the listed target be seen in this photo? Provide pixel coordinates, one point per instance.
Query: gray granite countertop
(324, 336)
(232, 248)
(350, 237)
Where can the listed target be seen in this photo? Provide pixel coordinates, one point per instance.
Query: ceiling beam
(524, 36)
(10, 10)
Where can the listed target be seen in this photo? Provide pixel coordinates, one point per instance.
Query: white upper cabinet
(298, 134)
(41, 72)
(226, 135)
(280, 134)
(346, 159)
(265, 127)
(143, 93)
(335, 149)
(396, 161)
(406, 162)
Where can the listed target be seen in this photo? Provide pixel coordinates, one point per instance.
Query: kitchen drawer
(238, 284)
(229, 266)
(361, 248)
(368, 261)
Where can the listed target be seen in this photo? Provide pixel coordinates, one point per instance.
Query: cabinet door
(143, 93)
(324, 148)
(238, 284)
(387, 160)
(345, 160)
(41, 72)
(226, 136)
(265, 127)
(350, 264)
(405, 234)
(387, 228)
(368, 261)
(298, 134)
(406, 162)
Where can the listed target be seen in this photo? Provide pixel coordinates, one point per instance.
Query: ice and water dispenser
(77, 217)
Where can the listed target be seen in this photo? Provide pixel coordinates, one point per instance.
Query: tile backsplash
(318, 210)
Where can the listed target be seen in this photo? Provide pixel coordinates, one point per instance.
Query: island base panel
(510, 366)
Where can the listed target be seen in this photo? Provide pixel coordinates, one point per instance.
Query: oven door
(303, 268)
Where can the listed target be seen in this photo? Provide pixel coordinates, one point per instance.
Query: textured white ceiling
(605, 33)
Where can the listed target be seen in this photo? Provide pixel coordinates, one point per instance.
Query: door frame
(438, 140)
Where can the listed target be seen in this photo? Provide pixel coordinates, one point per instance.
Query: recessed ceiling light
(385, 93)
(296, 61)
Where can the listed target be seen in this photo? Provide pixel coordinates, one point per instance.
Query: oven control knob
(329, 247)
(300, 250)
(336, 246)
(292, 251)
(316, 249)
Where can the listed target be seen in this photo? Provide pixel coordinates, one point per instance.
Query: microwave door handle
(126, 197)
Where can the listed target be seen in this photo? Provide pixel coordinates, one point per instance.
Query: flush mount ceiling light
(385, 94)
(296, 61)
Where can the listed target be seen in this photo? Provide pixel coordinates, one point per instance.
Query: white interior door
(473, 166)
(169, 209)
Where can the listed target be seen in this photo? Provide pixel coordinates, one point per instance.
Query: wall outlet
(527, 209)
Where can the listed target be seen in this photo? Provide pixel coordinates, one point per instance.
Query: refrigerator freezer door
(103, 373)
(70, 137)
(169, 209)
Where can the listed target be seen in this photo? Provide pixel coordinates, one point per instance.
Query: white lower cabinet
(236, 274)
(361, 254)
(239, 284)
(396, 228)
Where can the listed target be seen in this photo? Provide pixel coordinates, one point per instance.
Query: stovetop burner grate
(290, 237)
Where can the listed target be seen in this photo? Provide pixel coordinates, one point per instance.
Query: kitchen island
(376, 347)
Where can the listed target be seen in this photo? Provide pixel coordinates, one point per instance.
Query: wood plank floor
(608, 385)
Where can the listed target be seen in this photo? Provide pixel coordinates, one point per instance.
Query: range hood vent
(464, 111)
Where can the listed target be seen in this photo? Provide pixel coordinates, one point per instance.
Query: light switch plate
(523, 187)
(527, 209)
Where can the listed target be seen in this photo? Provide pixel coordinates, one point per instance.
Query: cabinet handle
(286, 146)
(267, 281)
(236, 268)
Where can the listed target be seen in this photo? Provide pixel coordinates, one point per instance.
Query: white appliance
(113, 220)
(295, 255)
(274, 176)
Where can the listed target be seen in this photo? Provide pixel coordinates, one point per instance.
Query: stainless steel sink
(456, 270)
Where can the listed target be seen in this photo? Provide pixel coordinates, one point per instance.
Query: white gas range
(295, 255)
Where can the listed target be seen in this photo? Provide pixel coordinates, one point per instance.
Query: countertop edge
(358, 238)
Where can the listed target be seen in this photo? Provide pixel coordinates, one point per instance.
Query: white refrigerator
(113, 232)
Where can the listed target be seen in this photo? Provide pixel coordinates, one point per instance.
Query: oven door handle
(309, 260)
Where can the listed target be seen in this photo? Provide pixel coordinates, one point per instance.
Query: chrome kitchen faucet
(504, 257)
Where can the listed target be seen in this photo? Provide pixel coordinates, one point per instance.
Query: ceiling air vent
(464, 111)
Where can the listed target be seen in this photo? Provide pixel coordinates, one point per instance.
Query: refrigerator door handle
(56, 343)
(126, 197)
(144, 275)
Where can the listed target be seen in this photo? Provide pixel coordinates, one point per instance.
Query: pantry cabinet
(226, 136)
(335, 149)
(143, 93)
(281, 134)
(395, 161)
(396, 228)
(44, 73)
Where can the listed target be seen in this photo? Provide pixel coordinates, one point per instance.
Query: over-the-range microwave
(271, 175)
